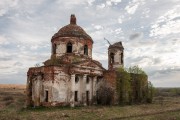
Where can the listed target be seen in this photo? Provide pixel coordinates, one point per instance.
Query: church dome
(72, 30)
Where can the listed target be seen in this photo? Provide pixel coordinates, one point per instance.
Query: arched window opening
(121, 58)
(98, 79)
(76, 79)
(54, 49)
(87, 79)
(111, 57)
(85, 50)
(69, 48)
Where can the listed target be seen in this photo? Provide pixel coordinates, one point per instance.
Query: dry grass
(12, 102)
(13, 86)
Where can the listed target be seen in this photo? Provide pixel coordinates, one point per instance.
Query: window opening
(85, 50)
(87, 97)
(121, 58)
(69, 48)
(76, 79)
(76, 96)
(54, 49)
(47, 96)
(87, 80)
(111, 57)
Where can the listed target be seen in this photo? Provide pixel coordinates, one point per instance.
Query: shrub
(104, 94)
(123, 86)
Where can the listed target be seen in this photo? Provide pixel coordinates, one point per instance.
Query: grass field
(12, 107)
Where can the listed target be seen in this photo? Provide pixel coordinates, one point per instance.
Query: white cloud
(167, 24)
(118, 31)
(90, 2)
(98, 27)
(110, 2)
(120, 19)
(146, 13)
(101, 6)
(162, 80)
(34, 47)
(5, 5)
(170, 27)
(2, 12)
(99, 56)
(26, 28)
(132, 6)
(77, 2)
(4, 40)
(131, 9)
(116, 1)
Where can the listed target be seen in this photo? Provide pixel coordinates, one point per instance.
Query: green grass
(15, 110)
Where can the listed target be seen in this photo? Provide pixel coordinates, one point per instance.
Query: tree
(104, 93)
(139, 84)
(132, 86)
(123, 86)
(151, 91)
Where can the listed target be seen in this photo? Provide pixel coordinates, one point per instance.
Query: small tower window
(85, 50)
(54, 49)
(121, 58)
(69, 48)
(111, 57)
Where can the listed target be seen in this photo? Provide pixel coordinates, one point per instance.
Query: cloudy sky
(149, 30)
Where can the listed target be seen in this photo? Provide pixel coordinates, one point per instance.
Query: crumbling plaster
(77, 45)
(54, 84)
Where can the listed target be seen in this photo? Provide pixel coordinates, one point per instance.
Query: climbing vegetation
(132, 86)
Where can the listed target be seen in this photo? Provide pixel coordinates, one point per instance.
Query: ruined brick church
(71, 76)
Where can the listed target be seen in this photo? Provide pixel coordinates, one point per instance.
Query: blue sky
(149, 30)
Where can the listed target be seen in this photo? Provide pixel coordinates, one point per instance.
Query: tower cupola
(115, 56)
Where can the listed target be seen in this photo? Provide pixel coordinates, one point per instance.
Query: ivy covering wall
(132, 86)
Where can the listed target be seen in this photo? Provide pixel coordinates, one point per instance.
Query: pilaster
(84, 90)
(72, 89)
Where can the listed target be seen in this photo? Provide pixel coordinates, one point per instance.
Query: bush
(132, 86)
(123, 86)
(105, 94)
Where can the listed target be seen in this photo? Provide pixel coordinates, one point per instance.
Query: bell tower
(115, 56)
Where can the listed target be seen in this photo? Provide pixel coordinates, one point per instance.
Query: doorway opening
(76, 96)
(46, 96)
(87, 97)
